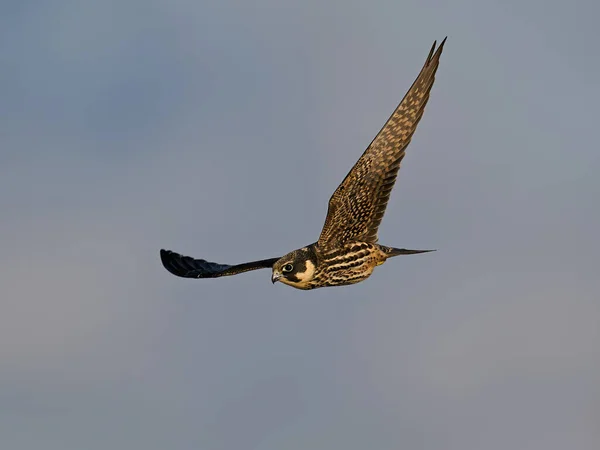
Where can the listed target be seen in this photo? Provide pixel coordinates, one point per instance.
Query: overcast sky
(220, 130)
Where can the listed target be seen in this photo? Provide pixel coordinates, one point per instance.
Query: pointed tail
(391, 251)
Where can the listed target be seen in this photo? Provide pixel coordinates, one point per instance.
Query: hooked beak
(275, 277)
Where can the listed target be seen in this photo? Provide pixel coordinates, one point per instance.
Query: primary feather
(188, 267)
(358, 204)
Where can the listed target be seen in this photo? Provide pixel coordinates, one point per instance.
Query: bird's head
(296, 269)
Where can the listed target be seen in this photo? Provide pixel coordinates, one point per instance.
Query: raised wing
(188, 267)
(358, 204)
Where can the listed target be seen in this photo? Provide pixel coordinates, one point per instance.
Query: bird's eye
(288, 268)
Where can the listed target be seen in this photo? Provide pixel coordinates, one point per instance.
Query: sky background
(219, 130)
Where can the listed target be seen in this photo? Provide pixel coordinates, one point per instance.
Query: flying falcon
(347, 250)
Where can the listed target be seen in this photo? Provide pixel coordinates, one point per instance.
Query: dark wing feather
(358, 204)
(188, 267)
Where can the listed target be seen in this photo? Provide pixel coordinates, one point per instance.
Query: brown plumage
(347, 250)
(358, 204)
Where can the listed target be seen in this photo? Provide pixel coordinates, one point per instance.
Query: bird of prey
(347, 250)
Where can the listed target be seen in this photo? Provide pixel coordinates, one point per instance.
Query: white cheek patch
(308, 274)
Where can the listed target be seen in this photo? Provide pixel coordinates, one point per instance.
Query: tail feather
(391, 251)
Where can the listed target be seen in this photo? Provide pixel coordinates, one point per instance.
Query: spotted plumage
(347, 250)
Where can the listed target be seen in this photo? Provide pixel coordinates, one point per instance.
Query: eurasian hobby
(347, 250)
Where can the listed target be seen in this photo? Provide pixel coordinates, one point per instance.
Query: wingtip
(436, 51)
(166, 258)
(441, 46)
(431, 51)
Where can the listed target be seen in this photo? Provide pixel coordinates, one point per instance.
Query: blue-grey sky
(220, 130)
